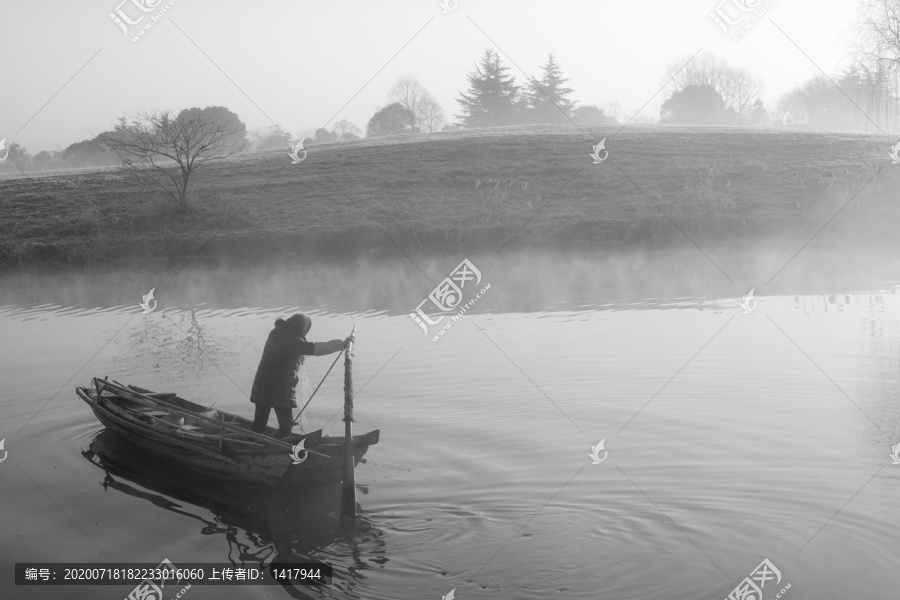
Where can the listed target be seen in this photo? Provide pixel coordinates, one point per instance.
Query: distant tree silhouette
(431, 115)
(391, 120)
(703, 69)
(164, 150)
(491, 96)
(323, 135)
(90, 153)
(739, 88)
(874, 90)
(18, 158)
(694, 105)
(416, 99)
(818, 104)
(758, 113)
(591, 114)
(547, 99)
(79, 153)
(346, 131)
(42, 160)
(270, 138)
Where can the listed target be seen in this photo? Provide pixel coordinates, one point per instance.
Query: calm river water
(730, 437)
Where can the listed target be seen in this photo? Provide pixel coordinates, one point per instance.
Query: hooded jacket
(279, 368)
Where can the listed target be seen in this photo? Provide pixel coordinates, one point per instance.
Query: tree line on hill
(707, 91)
(493, 98)
(704, 90)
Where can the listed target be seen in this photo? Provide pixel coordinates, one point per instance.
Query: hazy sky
(68, 70)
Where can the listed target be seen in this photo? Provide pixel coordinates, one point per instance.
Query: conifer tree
(491, 96)
(548, 98)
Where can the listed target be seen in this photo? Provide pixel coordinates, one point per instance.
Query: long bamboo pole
(348, 489)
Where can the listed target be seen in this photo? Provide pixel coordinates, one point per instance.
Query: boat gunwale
(129, 422)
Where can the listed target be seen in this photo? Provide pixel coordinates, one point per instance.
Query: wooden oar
(348, 489)
(147, 400)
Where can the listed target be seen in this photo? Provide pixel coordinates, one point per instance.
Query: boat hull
(258, 465)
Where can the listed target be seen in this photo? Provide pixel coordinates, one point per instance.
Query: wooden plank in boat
(152, 413)
(131, 425)
(187, 431)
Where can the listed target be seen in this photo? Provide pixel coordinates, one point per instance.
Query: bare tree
(811, 103)
(876, 52)
(416, 99)
(344, 129)
(740, 89)
(614, 109)
(269, 138)
(308, 133)
(703, 69)
(875, 95)
(409, 93)
(431, 116)
(165, 150)
(878, 36)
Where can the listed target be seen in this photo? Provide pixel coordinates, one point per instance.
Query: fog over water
(773, 421)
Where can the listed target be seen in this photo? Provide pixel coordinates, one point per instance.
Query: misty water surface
(731, 437)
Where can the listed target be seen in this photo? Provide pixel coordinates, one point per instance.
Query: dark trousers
(285, 419)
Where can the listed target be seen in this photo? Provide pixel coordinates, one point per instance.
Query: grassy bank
(419, 192)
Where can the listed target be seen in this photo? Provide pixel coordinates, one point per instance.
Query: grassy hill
(419, 193)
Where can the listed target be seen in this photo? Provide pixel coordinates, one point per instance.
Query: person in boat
(274, 386)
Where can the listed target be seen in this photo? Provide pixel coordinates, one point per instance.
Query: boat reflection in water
(261, 525)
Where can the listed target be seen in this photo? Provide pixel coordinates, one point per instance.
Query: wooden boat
(217, 443)
(248, 520)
